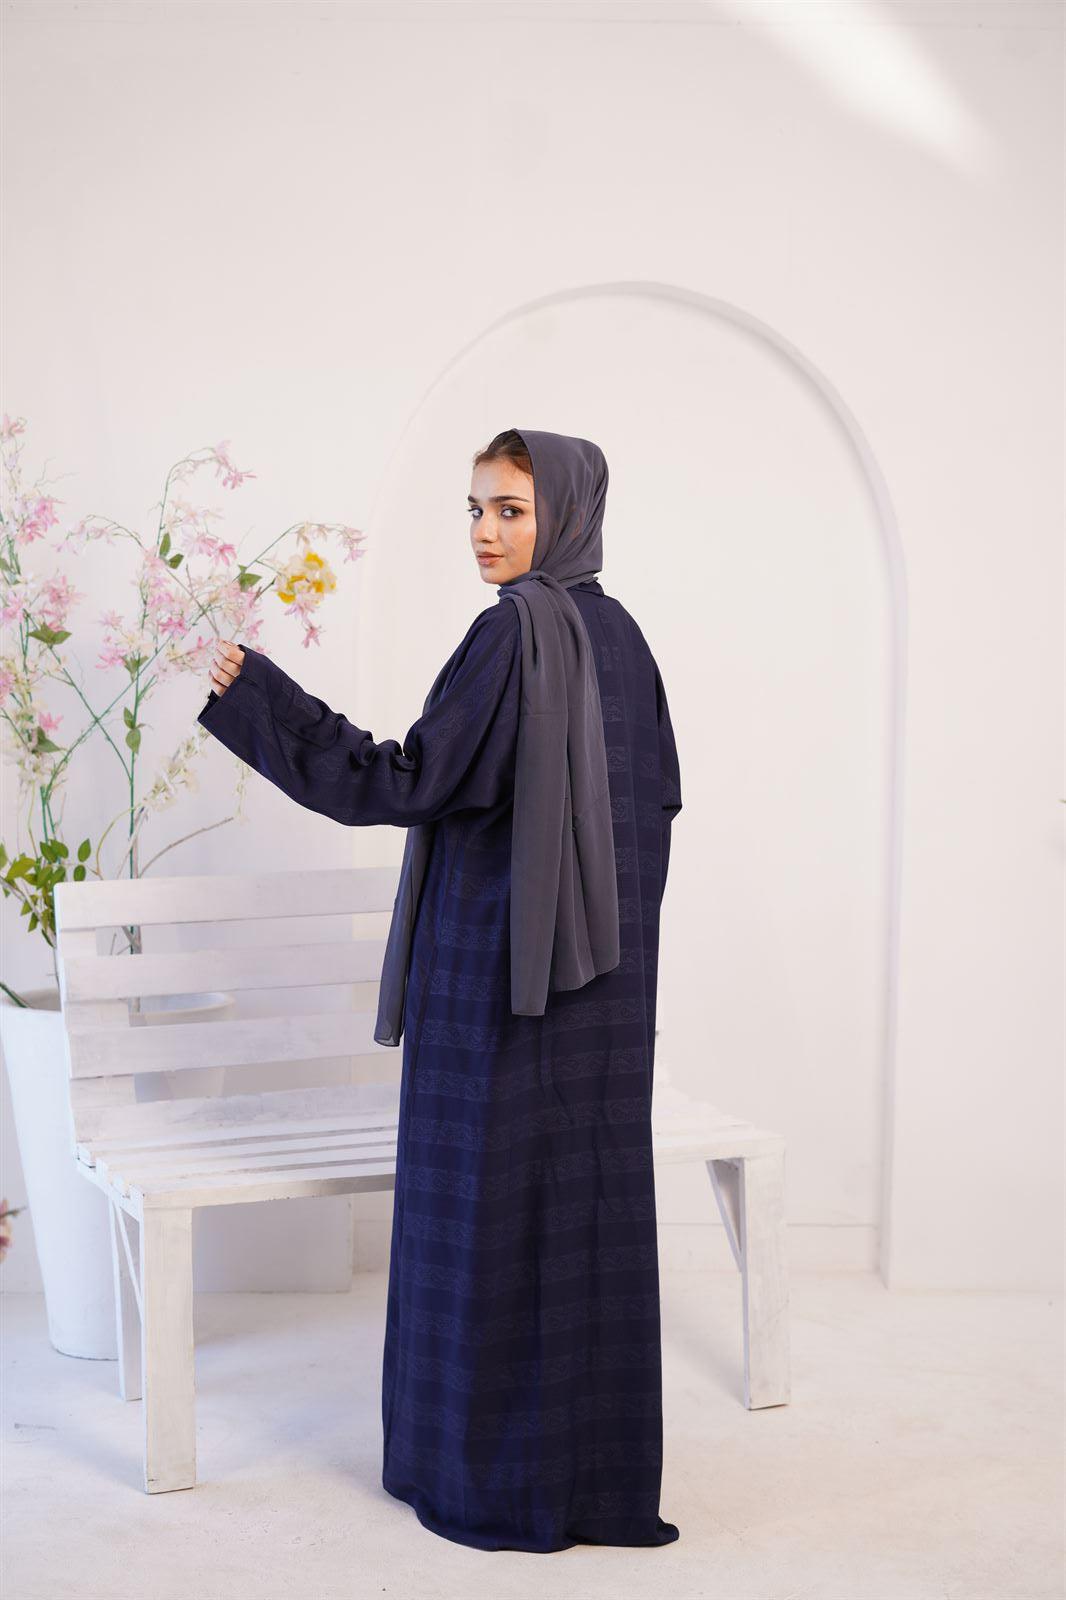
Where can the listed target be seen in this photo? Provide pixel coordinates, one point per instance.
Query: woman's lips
(487, 559)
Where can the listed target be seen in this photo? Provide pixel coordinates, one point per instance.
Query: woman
(522, 1375)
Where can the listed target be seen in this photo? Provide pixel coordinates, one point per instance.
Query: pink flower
(13, 608)
(112, 655)
(93, 527)
(38, 516)
(350, 538)
(231, 477)
(57, 597)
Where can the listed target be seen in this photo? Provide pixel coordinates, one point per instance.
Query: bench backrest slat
(115, 1039)
(168, 1047)
(226, 898)
(269, 967)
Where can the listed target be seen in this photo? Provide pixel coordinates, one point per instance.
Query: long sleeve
(669, 775)
(459, 755)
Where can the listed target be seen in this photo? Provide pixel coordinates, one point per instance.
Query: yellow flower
(310, 574)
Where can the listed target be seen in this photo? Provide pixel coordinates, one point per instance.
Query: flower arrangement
(189, 589)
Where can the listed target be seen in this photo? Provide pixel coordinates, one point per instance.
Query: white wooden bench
(746, 1166)
(157, 1160)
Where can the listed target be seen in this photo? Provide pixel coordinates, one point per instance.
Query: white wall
(834, 502)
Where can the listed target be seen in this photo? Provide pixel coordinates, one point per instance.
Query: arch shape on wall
(725, 311)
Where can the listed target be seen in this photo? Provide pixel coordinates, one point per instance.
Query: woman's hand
(229, 658)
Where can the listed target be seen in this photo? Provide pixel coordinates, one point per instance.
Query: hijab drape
(564, 894)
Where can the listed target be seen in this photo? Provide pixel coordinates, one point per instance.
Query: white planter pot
(70, 1215)
(70, 1221)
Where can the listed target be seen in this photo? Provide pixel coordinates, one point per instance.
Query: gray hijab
(564, 893)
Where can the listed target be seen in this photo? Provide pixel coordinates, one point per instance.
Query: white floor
(920, 1459)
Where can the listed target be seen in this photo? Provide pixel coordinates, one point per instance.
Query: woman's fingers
(229, 658)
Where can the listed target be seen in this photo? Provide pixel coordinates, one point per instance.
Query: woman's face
(503, 524)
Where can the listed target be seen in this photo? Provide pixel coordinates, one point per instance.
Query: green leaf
(176, 561)
(84, 850)
(164, 544)
(79, 873)
(246, 579)
(133, 739)
(49, 635)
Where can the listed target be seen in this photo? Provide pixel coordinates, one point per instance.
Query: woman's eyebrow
(496, 498)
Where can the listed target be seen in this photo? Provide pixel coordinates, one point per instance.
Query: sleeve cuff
(255, 670)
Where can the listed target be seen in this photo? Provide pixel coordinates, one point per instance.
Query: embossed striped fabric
(522, 1368)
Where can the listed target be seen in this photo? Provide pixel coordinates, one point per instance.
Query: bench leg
(167, 1354)
(124, 1255)
(765, 1279)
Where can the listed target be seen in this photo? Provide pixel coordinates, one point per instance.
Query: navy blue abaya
(522, 1370)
